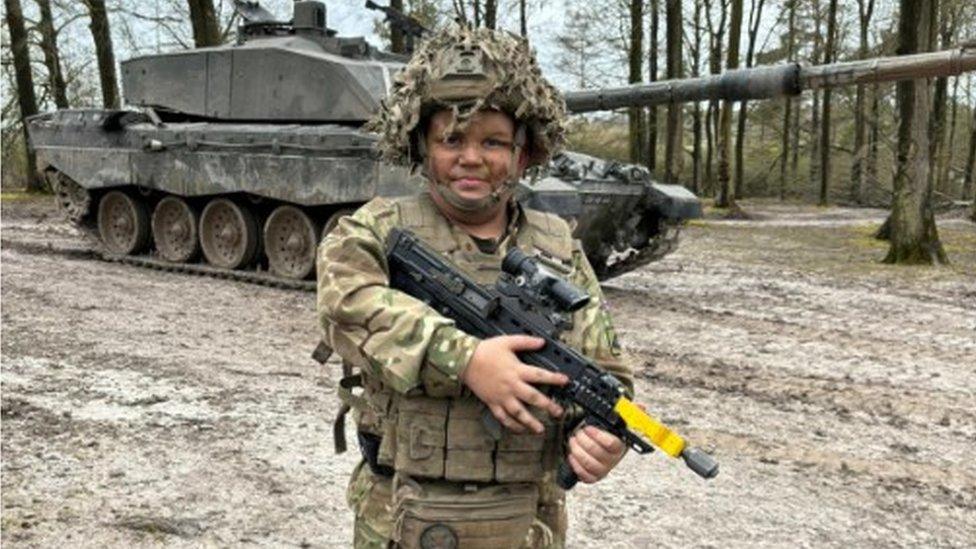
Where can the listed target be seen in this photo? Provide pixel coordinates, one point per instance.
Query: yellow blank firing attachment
(665, 439)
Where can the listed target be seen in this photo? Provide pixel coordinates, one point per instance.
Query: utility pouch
(445, 515)
(421, 429)
(469, 446)
(519, 457)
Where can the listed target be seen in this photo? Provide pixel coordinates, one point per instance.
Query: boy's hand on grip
(505, 384)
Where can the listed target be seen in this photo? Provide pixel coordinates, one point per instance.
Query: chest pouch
(444, 438)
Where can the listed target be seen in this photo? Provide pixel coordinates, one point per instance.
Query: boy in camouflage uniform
(472, 111)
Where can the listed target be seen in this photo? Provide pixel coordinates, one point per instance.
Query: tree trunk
(52, 56)
(725, 194)
(523, 22)
(874, 136)
(967, 184)
(674, 144)
(477, 13)
(203, 17)
(914, 236)
(815, 113)
(102, 36)
(635, 115)
(25, 82)
(865, 12)
(940, 151)
(755, 15)
(696, 126)
(795, 139)
(825, 118)
(787, 102)
(491, 13)
(715, 40)
(398, 43)
(652, 77)
(946, 166)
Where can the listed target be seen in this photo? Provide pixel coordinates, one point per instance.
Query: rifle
(410, 27)
(529, 299)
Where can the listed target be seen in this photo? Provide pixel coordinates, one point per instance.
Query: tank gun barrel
(776, 81)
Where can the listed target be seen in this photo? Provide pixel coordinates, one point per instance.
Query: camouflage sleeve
(382, 331)
(593, 326)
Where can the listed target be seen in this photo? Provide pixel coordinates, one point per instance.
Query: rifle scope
(543, 282)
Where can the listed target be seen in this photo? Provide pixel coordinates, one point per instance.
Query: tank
(240, 157)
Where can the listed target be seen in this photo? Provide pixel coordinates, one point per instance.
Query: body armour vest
(437, 432)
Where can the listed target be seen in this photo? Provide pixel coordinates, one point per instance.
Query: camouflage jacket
(399, 340)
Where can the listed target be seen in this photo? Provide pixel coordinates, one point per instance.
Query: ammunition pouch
(450, 515)
(442, 438)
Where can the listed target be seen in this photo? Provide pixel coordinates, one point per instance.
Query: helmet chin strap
(489, 202)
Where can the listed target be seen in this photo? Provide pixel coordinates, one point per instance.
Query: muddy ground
(144, 408)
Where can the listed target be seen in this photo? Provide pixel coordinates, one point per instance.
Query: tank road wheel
(334, 220)
(290, 242)
(228, 234)
(175, 230)
(123, 223)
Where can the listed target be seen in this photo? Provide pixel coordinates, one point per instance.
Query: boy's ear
(523, 159)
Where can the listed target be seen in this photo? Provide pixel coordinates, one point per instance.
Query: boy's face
(475, 161)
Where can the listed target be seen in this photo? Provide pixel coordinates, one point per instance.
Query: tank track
(660, 246)
(202, 269)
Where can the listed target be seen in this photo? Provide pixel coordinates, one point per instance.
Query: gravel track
(142, 407)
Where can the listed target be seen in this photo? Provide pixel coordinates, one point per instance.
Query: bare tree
(673, 146)
(914, 238)
(825, 118)
(523, 20)
(865, 10)
(815, 113)
(941, 151)
(788, 101)
(491, 13)
(104, 52)
(715, 40)
(203, 17)
(25, 81)
(726, 197)
(635, 116)
(655, 7)
(52, 56)
(696, 124)
(967, 185)
(755, 16)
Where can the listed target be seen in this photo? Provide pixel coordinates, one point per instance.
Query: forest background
(838, 147)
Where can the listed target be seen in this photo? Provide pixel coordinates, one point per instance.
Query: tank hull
(327, 169)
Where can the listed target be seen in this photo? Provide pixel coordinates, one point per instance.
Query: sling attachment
(322, 352)
(350, 401)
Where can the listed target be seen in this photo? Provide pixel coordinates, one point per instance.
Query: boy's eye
(496, 143)
(452, 139)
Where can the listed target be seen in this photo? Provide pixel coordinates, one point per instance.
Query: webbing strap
(349, 401)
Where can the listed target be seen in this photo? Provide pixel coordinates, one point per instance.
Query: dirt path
(142, 407)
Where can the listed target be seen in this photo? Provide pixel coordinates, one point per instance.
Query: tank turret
(277, 72)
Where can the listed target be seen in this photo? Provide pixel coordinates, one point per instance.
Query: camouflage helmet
(468, 70)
